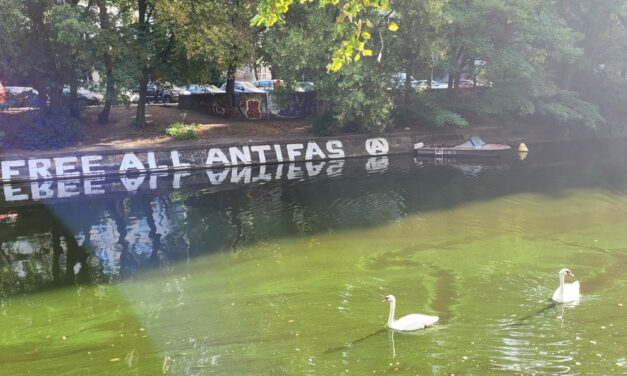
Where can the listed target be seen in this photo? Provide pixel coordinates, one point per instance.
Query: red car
(3, 94)
(465, 84)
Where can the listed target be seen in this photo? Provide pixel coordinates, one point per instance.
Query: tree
(355, 97)
(107, 43)
(46, 43)
(213, 32)
(418, 41)
(353, 20)
(145, 9)
(598, 74)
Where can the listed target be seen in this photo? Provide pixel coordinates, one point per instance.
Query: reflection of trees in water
(40, 251)
(45, 244)
(114, 237)
(117, 210)
(170, 220)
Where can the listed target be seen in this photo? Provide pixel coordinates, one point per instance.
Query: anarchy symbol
(377, 164)
(377, 146)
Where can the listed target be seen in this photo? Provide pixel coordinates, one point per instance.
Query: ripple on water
(534, 345)
(369, 208)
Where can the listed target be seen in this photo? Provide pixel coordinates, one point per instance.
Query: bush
(567, 107)
(48, 129)
(181, 131)
(423, 110)
(358, 98)
(325, 124)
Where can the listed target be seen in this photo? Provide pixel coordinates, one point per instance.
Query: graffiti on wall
(252, 106)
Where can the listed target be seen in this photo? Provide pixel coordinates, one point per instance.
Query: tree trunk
(103, 117)
(568, 73)
(230, 82)
(105, 25)
(140, 118)
(457, 77)
(73, 99)
(407, 87)
(50, 76)
(55, 93)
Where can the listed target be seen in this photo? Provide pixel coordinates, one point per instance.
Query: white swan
(567, 292)
(408, 323)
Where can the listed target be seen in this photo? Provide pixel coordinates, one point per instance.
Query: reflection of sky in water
(531, 347)
(103, 238)
(139, 243)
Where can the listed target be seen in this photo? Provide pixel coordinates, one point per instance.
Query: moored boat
(473, 147)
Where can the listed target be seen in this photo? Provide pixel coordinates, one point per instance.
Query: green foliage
(558, 59)
(182, 131)
(325, 124)
(566, 107)
(48, 129)
(358, 98)
(610, 96)
(444, 117)
(354, 22)
(209, 34)
(422, 110)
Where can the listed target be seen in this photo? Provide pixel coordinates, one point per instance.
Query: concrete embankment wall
(169, 158)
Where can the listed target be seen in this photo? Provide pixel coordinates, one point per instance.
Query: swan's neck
(562, 284)
(391, 316)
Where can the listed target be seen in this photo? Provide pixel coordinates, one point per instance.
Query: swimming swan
(567, 292)
(408, 323)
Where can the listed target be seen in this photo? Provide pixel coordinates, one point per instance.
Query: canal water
(226, 274)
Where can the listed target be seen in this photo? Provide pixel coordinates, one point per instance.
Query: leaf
(335, 65)
(357, 57)
(369, 24)
(367, 52)
(256, 21)
(393, 26)
(366, 35)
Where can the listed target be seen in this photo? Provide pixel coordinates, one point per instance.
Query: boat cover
(473, 142)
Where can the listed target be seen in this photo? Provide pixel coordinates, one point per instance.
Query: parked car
(243, 87)
(268, 85)
(22, 96)
(84, 96)
(421, 85)
(171, 94)
(3, 94)
(465, 84)
(153, 94)
(202, 89)
(304, 86)
(436, 85)
(398, 81)
(212, 89)
(484, 83)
